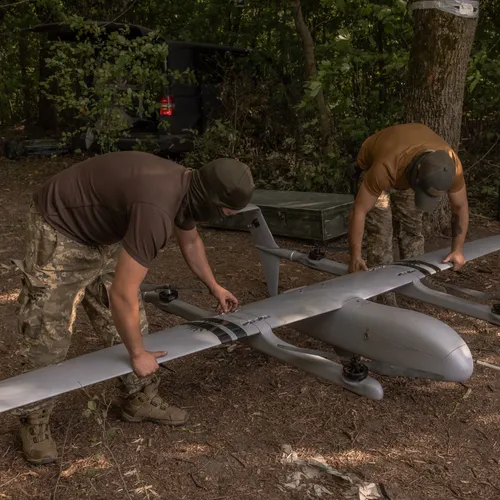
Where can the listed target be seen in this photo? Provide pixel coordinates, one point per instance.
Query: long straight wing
(193, 337)
(112, 362)
(327, 296)
(472, 250)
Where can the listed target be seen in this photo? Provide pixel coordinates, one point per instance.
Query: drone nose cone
(458, 365)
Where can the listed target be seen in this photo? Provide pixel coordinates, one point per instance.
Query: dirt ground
(423, 441)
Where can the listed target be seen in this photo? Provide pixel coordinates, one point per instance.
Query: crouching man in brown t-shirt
(406, 169)
(93, 231)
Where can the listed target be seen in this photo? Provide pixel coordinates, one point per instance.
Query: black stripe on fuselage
(221, 334)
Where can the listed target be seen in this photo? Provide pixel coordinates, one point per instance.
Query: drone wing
(111, 362)
(196, 336)
(326, 296)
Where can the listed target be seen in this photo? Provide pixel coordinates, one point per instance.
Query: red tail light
(167, 105)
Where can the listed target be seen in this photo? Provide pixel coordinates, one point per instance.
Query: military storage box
(310, 216)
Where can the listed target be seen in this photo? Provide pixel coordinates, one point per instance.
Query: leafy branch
(104, 82)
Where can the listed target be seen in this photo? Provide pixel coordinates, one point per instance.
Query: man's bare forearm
(356, 230)
(196, 258)
(125, 312)
(459, 227)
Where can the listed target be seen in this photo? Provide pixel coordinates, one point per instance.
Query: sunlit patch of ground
(8, 297)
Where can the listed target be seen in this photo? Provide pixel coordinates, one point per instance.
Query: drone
(367, 338)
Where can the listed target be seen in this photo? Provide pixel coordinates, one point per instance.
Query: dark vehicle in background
(185, 107)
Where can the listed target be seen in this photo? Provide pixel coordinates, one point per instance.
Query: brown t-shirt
(128, 196)
(386, 154)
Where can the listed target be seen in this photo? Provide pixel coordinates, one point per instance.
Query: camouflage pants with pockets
(58, 274)
(394, 210)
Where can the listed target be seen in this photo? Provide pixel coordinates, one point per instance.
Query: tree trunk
(438, 64)
(325, 121)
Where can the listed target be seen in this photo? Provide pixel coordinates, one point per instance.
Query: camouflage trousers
(58, 274)
(394, 211)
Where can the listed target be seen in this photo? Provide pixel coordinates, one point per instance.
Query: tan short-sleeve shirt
(385, 156)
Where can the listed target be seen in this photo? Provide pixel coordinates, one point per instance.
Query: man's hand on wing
(357, 264)
(144, 363)
(457, 258)
(193, 250)
(227, 301)
(124, 305)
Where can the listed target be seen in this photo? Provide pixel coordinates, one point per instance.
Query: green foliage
(103, 80)
(15, 87)
(270, 117)
(362, 50)
(482, 99)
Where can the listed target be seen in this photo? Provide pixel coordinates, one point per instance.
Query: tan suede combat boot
(147, 405)
(38, 446)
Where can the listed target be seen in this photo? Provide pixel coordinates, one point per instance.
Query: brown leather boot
(38, 446)
(146, 405)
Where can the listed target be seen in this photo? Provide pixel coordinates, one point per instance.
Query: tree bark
(437, 70)
(325, 120)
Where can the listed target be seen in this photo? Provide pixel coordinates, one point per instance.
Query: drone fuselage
(400, 337)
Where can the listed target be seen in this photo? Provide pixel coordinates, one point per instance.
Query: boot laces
(39, 432)
(38, 425)
(158, 401)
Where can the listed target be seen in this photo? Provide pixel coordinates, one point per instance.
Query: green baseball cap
(435, 175)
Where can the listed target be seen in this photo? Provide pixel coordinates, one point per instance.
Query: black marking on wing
(235, 328)
(219, 332)
(408, 263)
(423, 263)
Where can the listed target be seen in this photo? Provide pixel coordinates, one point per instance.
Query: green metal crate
(309, 216)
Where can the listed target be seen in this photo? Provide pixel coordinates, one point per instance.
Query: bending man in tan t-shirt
(406, 170)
